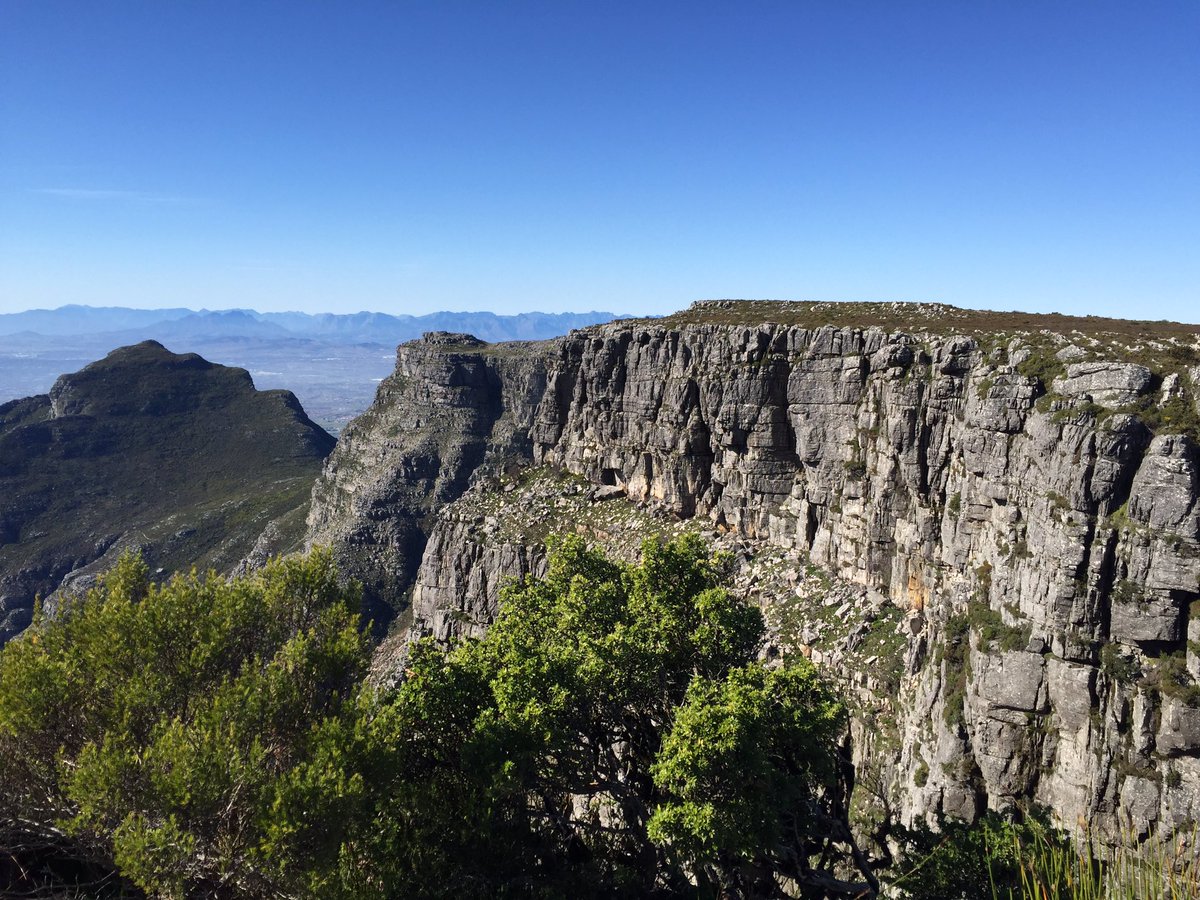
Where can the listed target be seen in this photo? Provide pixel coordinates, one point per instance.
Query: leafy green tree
(167, 728)
(614, 734)
(749, 775)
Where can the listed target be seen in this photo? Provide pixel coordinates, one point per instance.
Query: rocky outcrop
(146, 449)
(1016, 548)
(1114, 384)
(453, 403)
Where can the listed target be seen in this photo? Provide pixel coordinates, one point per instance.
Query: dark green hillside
(146, 448)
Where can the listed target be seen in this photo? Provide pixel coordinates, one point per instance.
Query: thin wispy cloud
(104, 194)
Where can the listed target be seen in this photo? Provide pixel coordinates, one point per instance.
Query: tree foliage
(613, 734)
(164, 728)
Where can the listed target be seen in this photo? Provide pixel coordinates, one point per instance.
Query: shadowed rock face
(452, 402)
(1038, 545)
(145, 448)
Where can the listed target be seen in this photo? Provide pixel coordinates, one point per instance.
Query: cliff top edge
(914, 316)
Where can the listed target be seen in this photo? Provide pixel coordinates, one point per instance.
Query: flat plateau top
(937, 318)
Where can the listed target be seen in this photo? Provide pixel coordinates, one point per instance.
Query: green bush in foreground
(166, 729)
(612, 735)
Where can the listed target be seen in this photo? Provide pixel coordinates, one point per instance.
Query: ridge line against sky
(84, 316)
(412, 158)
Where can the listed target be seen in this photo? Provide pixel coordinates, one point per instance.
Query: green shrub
(992, 629)
(613, 734)
(983, 578)
(1043, 365)
(169, 728)
(958, 861)
(1169, 675)
(1116, 665)
(1177, 416)
(955, 658)
(1125, 591)
(724, 763)
(1058, 501)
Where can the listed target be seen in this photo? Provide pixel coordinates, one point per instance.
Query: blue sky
(409, 157)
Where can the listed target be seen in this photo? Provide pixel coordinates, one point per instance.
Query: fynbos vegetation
(613, 735)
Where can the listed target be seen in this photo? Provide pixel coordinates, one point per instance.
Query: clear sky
(629, 156)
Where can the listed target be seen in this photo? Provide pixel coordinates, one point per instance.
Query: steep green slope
(146, 448)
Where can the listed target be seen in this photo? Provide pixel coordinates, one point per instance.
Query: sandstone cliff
(987, 526)
(452, 403)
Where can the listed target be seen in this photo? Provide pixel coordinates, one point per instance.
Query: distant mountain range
(361, 327)
(331, 361)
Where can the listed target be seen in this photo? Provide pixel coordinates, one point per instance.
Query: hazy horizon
(317, 312)
(1141, 314)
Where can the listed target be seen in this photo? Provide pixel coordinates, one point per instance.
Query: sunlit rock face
(1009, 539)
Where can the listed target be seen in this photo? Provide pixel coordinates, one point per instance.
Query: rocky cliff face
(987, 527)
(453, 403)
(147, 449)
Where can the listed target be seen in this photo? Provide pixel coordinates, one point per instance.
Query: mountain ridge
(377, 327)
(331, 361)
(145, 449)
